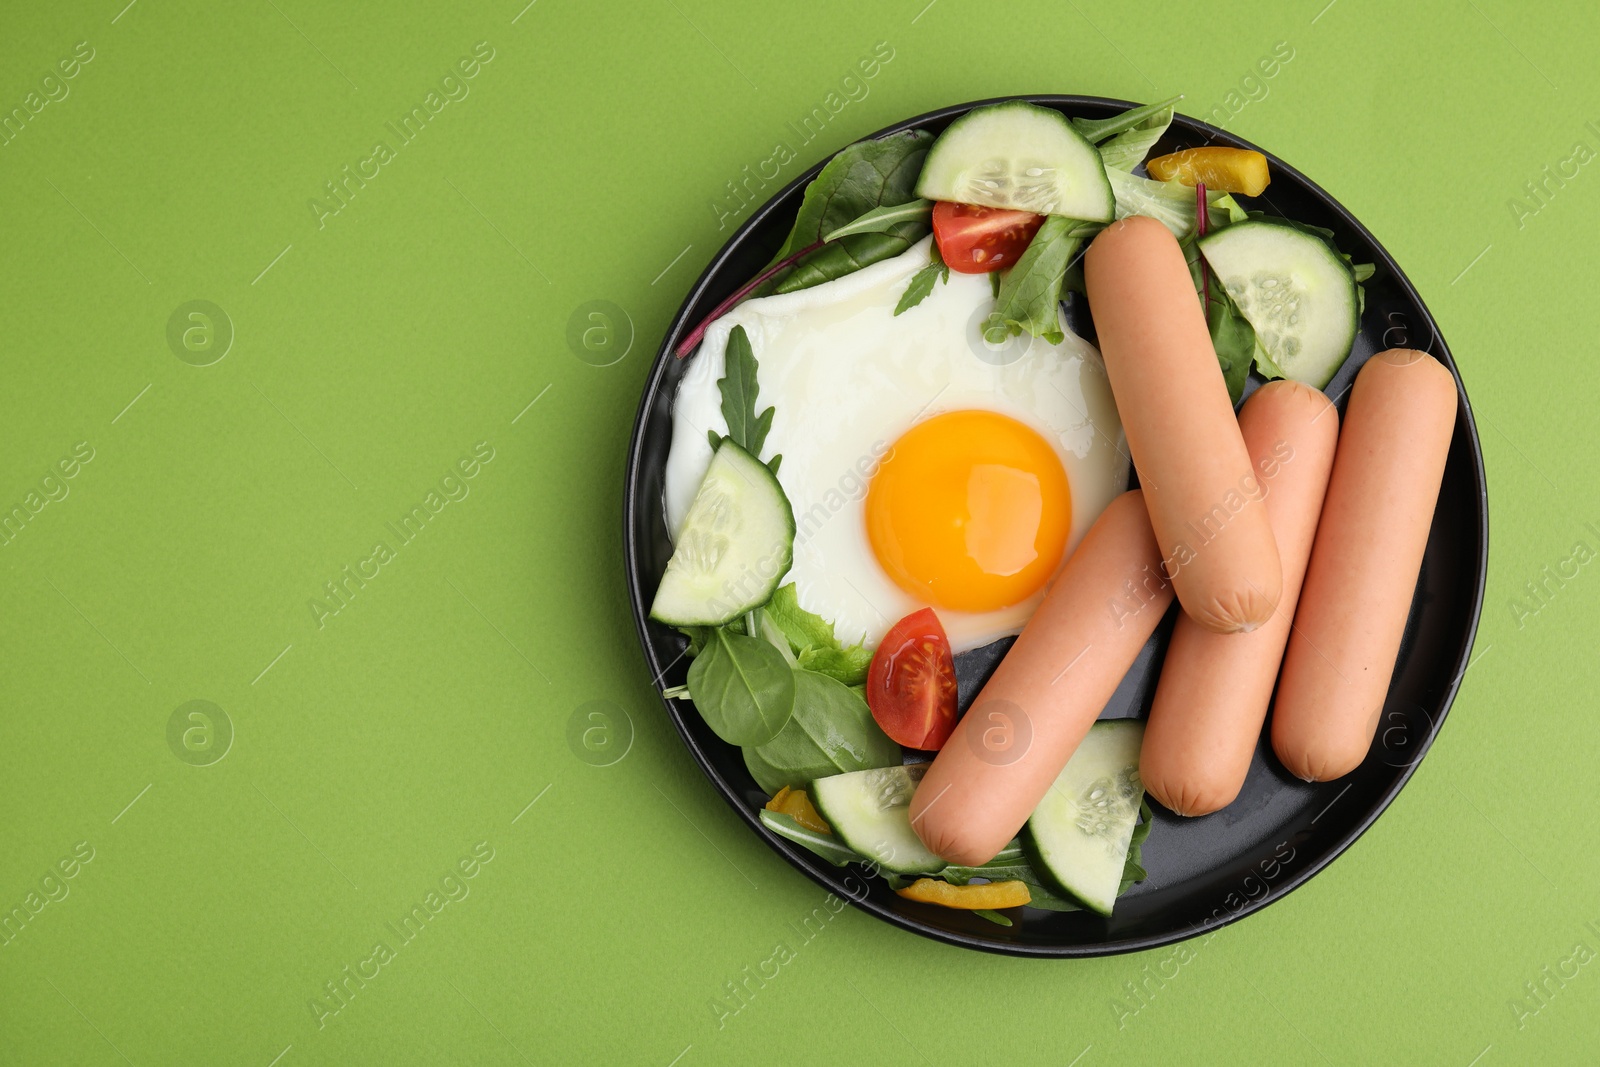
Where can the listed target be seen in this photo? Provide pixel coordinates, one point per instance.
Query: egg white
(847, 377)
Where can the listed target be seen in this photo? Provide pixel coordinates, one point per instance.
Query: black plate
(1204, 872)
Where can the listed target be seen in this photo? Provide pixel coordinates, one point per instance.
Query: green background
(371, 753)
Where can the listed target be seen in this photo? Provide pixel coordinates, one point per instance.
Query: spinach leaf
(923, 281)
(1233, 338)
(1031, 290)
(846, 665)
(1097, 130)
(1131, 870)
(881, 219)
(849, 255)
(697, 635)
(1127, 149)
(827, 846)
(743, 687)
(773, 635)
(831, 732)
(865, 175)
(739, 390)
(769, 778)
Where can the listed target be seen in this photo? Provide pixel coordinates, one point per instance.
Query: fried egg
(926, 467)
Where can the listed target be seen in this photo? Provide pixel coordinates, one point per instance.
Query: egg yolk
(970, 511)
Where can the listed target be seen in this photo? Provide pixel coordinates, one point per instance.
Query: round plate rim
(839, 884)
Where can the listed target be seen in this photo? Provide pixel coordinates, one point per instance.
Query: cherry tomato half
(911, 685)
(977, 240)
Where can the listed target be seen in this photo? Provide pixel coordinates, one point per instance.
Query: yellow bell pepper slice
(990, 895)
(1223, 170)
(797, 805)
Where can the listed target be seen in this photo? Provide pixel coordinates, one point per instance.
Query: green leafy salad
(824, 726)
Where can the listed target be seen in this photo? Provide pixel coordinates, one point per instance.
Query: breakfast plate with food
(1056, 526)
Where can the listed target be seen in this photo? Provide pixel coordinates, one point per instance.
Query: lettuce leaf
(1170, 203)
(1127, 149)
(848, 665)
(812, 640)
(1097, 130)
(803, 629)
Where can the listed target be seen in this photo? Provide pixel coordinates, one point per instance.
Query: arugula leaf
(828, 846)
(1031, 290)
(1010, 864)
(831, 732)
(923, 281)
(881, 219)
(1097, 130)
(1013, 865)
(863, 176)
(848, 665)
(1004, 868)
(739, 390)
(1127, 149)
(743, 687)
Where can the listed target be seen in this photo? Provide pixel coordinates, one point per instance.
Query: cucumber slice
(1296, 291)
(1019, 156)
(735, 547)
(1081, 830)
(868, 810)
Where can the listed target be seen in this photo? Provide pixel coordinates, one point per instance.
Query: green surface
(590, 161)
